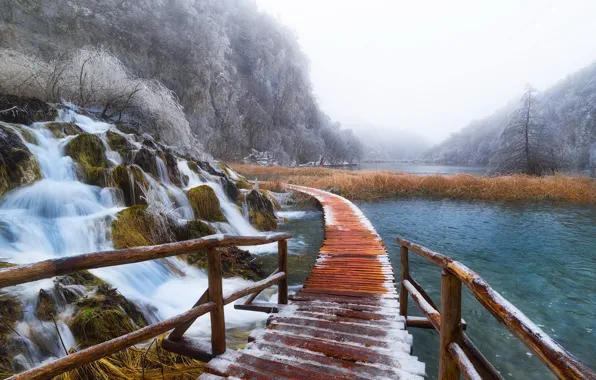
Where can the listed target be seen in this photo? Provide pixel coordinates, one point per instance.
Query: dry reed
(149, 363)
(370, 185)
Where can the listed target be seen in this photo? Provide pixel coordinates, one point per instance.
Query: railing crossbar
(559, 361)
(211, 301)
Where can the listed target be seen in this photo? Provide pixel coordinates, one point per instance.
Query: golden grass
(150, 363)
(369, 185)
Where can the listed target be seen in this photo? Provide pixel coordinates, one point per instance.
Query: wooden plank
(263, 307)
(331, 364)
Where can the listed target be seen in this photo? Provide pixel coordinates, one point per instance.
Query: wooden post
(405, 275)
(282, 260)
(218, 323)
(451, 328)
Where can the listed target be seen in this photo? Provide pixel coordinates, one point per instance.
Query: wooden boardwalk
(344, 322)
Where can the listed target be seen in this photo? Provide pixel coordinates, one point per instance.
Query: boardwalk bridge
(348, 320)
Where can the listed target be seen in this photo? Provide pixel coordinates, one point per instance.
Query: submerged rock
(18, 166)
(45, 309)
(205, 204)
(261, 211)
(61, 129)
(21, 110)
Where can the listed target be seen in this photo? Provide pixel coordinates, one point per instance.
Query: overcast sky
(433, 66)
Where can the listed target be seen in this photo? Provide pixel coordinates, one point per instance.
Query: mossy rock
(243, 184)
(194, 229)
(11, 311)
(229, 187)
(132, 228)
(172, 165)
(261, 211)
(88, 151)
(82, 277)
(205, 204)
(262, 220)
(27, 134)
(119, 143)
(61, 129)
(25, 110)
(224, 168)
(134, 191)
(194, 167)
(127, 127)
(18, 166)
(45, 309)
(6, 265)
(235, 262)
(274, 201)
(95, 324)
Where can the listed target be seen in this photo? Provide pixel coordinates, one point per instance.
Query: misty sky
(433, 66)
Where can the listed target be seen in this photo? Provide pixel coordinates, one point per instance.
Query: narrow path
(344, 322)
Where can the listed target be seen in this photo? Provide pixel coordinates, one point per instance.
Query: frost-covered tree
(525, 145)
(239, 75)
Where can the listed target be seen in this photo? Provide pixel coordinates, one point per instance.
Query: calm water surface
(423, 169)
(542, 258)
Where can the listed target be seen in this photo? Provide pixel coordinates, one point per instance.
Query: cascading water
(60, 216)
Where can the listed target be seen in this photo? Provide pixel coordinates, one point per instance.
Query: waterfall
(60, 216)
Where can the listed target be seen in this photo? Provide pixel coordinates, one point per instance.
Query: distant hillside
(568, 108)
(239, 74)
(389, 143)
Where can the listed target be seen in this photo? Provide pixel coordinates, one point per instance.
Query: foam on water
(60, 216)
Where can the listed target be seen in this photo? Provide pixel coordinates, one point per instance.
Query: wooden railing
(212, 301)
(458, 355)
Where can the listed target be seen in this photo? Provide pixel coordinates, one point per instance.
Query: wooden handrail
(560, 361)
(212, 301)
(104, 349)
(62, 266)
(463, 363)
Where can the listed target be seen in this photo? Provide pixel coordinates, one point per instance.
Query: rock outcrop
(18, 166)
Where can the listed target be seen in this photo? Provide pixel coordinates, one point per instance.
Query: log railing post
(451, 328)
(405, 275)
(282, 260)
(218, 323)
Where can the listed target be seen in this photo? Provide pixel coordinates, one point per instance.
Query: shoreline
(379, 184)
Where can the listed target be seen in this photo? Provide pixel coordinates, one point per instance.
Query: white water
(60, 216)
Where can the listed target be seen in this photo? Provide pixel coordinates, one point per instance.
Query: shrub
(91, 77)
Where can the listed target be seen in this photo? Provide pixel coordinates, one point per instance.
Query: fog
(431, 68)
